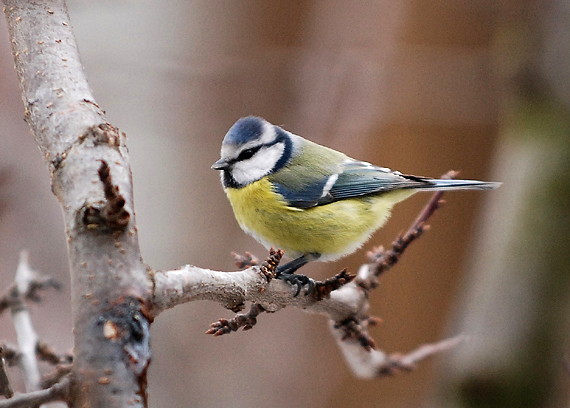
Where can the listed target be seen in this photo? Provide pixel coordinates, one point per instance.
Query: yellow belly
(332, 230)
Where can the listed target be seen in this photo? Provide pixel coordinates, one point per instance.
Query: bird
(313, 202)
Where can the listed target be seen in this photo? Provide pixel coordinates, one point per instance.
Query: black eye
(248, 153)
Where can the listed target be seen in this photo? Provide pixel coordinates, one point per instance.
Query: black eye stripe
(248, 153)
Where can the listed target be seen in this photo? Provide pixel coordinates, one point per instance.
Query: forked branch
(343, 298)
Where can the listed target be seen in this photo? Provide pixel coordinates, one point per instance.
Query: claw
(299, 281)
(311, 284)
(299, 287)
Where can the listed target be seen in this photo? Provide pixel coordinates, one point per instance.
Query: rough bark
(108, 277)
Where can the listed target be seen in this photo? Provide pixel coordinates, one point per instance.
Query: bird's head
(252, 149)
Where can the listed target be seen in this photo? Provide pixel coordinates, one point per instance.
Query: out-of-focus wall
(407, 85)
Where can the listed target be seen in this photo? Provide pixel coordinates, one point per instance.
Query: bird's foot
(297, 280)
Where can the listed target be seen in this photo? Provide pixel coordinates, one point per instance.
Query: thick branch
(232, 289)
(91, 176)
(58, 103)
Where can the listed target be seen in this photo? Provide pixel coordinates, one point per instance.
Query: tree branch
(115, 295)
(58, 392)
(25, 333)
(109, 281)
(342, 299)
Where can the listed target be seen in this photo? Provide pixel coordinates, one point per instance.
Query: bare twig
(48, 354)
(245, 320)
(58, 392)
(27, 338)
(409, 361)
(368, 364)
(382, 260)
(61, 370)
(37, 284)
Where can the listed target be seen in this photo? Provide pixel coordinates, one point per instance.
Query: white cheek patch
(260, 165)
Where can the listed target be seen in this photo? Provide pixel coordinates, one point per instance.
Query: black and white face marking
(254, 163)
(252, 149)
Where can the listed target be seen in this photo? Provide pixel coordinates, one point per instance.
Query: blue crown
(244, 130)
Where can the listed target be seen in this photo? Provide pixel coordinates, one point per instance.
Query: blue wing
(355, 179)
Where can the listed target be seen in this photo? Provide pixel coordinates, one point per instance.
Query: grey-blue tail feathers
(444, 184)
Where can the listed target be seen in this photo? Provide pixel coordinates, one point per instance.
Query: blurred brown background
(417, 86)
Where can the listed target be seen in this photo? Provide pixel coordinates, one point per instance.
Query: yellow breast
(332, 230)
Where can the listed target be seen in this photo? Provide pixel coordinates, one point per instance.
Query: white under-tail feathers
(452, 184)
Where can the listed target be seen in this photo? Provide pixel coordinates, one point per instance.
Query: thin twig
(409, 361)
(58, 392)
(245, 320)
(25, 333)
(46, 353)
(383, 260)
(61, 370)
(37, 284)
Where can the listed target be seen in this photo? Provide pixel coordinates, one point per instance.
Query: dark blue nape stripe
(283, 137)
(244, 130)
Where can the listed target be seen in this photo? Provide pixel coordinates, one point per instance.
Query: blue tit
(313, 202)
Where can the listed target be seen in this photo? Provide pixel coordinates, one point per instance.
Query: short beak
(221, 164)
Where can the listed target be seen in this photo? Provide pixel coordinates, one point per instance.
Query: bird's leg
(286, 273)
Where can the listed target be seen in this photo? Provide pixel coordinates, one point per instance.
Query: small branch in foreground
(58, 392)
(245, 320)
